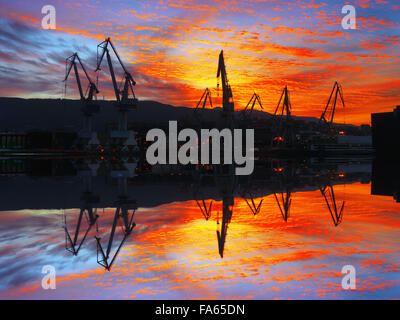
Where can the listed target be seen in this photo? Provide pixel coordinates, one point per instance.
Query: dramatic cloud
(172, 49)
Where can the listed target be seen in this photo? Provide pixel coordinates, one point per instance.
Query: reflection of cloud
(29, 242)
(173, 253)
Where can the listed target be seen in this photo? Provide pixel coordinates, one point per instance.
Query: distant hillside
(48, 114)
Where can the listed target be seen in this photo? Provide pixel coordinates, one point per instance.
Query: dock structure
(12, 140)
(386, 131)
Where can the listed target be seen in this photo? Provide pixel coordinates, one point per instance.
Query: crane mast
(88, 107)
(227, 98)
(92, 89)
(122, 96)
(203, 100)
(125, 96)
(255, 98)
(329, 111)
(283, 113)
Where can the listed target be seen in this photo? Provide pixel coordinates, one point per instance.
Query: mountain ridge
(19, 114)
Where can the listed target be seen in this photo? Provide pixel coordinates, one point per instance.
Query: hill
(17, 114)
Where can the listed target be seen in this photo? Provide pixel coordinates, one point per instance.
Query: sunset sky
(172, 46)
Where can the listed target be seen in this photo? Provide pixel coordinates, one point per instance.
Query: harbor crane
(330, 200)
(255, 98)
(329, 111)
(88, 107)
(203, 100)
(202, 103)
(124, 94)
(283, 113)
(227, 98)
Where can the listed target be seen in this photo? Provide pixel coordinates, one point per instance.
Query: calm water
(273, 236)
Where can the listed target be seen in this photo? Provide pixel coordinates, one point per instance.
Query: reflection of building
(9, 140)
(59, 184)
(386, 179)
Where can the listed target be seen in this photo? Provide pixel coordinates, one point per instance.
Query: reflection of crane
(286, 174)
(225, 180)
(200, 198)
(125, 210)
(253, 207)
(329, 197)
(206, 211)
(284, 202)
(227, 210)
(125, 97)
(88, 202)
(329, 111)
(122, 211)
(227, 98)
(248, 196)
(88, 107)
(284, 113)
(253, 100)
(72, 243)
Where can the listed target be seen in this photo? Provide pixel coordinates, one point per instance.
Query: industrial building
(386, 132)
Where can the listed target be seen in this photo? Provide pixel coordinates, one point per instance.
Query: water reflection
(111, 204)
(125, 211)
